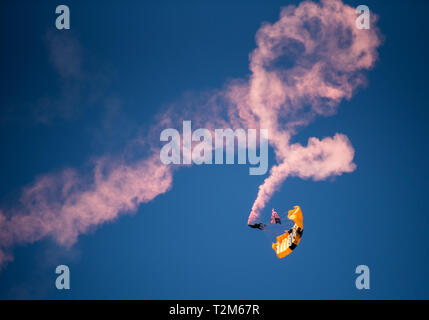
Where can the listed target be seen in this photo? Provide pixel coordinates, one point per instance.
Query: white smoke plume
(328, 54)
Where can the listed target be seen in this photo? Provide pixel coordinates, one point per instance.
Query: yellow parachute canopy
(288, 241)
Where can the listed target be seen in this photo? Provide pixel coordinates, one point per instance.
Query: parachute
(288, 241)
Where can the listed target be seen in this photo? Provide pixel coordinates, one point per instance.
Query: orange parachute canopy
(288, 241)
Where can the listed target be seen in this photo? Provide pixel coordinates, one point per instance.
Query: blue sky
(136, 58)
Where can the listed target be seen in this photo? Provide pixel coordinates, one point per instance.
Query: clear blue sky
(193, 241)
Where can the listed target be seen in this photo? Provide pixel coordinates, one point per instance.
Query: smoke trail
(327, 54)
(304, 65)
(64, 206)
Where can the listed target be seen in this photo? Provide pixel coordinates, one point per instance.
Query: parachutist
(259, 226)
(287, 241)
(275, 219)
